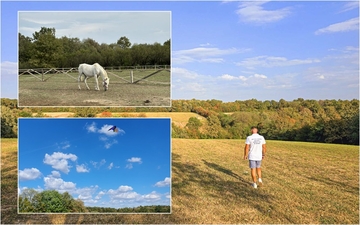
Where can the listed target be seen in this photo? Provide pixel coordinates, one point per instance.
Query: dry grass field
(303, 183)
(149, 89)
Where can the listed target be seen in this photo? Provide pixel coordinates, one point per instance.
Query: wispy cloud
(59, 161)
(97, 165)
(131, 161)
(165, 183)
(273, 61)
(82, 169)
(129, 166)
(110, 166)
(108, 144)
(254, 12)
(350, 6)
(203, 55)
(29, 174)
(64, 145)
(348, 25)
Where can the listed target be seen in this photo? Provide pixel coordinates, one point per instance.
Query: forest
(51, 201)
(328, 121)
(45, 50)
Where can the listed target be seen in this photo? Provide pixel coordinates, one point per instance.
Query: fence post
(132, 76)
(42, 75)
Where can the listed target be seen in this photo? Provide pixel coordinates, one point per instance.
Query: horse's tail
(81, 73)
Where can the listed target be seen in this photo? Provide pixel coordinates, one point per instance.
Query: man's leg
(252, 166)
(258, 171)
(253, 174)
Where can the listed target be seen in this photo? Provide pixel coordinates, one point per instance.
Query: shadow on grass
(346, 186)
(221, 187)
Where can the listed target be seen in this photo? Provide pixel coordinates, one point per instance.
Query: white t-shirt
(255, 141)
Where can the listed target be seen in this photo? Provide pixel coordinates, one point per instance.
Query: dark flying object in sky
(114, 129)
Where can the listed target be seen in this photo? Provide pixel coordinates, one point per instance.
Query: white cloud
(82, 169)
(59, 161)
(86, 193)
(260, 76)
(153, 196)
(203, 54)
(348, 25)
(29, 174)
(123, 193)
(55, 174)
(91, 128)
(105, 130)
(254, 12)
(99, 195)
(108, 144)
(273, 61)
(165, 183)
(110, 166)
(59, 184)
(9, 68)
(135, 160)
(242, 78)
(106, 134)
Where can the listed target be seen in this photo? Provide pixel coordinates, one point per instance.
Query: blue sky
(127, 168)
(230, 50)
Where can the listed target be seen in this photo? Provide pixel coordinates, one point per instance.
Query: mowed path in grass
(303, 183)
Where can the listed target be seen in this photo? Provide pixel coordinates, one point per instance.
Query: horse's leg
(87, 86)
(96, 83)
(79, 78)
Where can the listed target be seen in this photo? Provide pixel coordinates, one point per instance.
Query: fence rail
(110, 68)
(40, 72)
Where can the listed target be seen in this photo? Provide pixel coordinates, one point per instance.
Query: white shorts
(254, 164)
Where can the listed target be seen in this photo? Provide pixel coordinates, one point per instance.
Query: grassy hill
(303, 183)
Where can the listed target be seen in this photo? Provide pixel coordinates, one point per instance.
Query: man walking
(257, 146)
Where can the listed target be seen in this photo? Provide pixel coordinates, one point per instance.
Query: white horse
(95, 71)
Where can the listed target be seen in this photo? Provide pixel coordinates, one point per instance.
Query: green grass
(303, 183)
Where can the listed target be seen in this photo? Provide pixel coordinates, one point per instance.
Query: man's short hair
(254, 127)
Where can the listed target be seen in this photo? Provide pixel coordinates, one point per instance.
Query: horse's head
(106, 82)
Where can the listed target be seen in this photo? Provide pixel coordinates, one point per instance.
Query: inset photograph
(94, 165)
(94, 58)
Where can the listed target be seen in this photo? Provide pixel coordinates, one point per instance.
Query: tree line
(45, 50)
(51, 201)
(329, 121)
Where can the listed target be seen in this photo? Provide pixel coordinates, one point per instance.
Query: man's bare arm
(246, 151)
(263, 150)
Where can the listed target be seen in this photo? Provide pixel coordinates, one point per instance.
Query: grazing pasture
(149, 88)
(304, 183)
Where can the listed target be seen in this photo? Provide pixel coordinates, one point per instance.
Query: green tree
(46, 49)
(50, 201)
(124, 42)
(25, 51)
